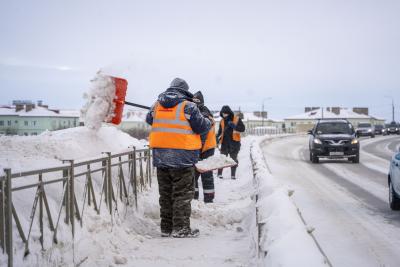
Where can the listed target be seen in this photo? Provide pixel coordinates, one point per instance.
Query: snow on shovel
(105, 101)
(215, 162)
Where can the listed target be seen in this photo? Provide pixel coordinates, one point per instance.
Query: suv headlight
(317, 141)
(354, 141)
(369, 130)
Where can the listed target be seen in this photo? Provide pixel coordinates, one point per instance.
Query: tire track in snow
(377, 147)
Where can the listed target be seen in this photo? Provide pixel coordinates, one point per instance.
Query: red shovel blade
(121, 85)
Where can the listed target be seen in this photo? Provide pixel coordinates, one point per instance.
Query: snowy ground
(229, 234)
(132, 238)
(345, 202)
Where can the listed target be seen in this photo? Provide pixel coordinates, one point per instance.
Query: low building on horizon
(27, 118)
(305, 121)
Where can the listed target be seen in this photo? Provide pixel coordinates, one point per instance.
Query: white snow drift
(99, 106)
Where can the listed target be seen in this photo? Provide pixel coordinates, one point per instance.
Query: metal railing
(260, 131)
(114, 179)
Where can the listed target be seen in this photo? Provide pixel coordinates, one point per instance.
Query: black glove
(231, 124)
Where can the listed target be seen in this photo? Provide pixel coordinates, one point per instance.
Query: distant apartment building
(28, 118)
(305, 121)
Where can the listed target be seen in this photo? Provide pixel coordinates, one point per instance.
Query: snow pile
(132, 237)
(284, 238)
(99, 106)
(215, 162)
(22, 153)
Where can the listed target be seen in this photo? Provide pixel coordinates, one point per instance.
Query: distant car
(365, 129)
(394, 182)
(384, 131)
(333, 139)
(393, 128)
(379, 129)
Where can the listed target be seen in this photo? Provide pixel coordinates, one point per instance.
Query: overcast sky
(298, 53)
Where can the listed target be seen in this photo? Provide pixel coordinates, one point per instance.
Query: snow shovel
(214, 163)
(121, 86)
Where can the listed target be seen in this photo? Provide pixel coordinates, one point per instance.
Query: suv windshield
(364, 125)
(334, 128)
(378, 127)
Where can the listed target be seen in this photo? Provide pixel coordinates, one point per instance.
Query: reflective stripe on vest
(208, 191)
(211, 141)
(171, 129)
(235, 134)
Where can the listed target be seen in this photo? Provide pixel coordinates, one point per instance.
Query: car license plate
(336, 153)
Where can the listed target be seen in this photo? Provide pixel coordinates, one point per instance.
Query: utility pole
(392, 106)
(262, 114)
(262, 110)
(392, 110)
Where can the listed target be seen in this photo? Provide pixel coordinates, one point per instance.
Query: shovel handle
(136, 105)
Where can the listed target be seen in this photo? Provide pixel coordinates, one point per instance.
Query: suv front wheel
(314, 158)
(356, 159)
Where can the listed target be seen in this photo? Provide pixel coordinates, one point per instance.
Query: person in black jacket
(229, 136)
(208, 147)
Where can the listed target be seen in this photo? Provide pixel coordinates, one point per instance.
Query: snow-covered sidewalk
(132, 238)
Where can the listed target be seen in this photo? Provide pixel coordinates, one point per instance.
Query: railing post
(8, 213)
(2, 216)
(41, 238)
(66, 195)
(149, 166)
(108, 184)
(72, 198)
(134, 180)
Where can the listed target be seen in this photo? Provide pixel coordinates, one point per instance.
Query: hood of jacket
(227, 110)
(198, 95)
(173, 96)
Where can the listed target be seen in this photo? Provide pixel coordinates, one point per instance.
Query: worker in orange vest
(209, 143)
(231, 126)
(177, 124)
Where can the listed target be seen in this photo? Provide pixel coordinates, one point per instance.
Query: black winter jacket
(228, 144)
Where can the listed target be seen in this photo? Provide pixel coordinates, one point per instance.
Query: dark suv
(393, 128)
(333, 139)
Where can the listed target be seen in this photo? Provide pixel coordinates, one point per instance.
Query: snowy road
(345, 202)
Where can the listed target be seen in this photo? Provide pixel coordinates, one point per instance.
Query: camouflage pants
(176, 187)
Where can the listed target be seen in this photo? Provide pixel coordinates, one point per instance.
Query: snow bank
(284, 239)
(22, 153)
(99, 106)
(25, 153)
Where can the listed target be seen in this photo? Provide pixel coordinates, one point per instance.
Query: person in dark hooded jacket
(229, 136)
(208, 148)
(177, 124)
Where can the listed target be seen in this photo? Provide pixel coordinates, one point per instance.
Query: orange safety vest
(235, 134)
(171, 129)
(211, 141)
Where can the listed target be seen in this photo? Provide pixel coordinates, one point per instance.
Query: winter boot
(220, 176)
(165, 234)
(185, 232)
(208, 197)
(233, 178)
